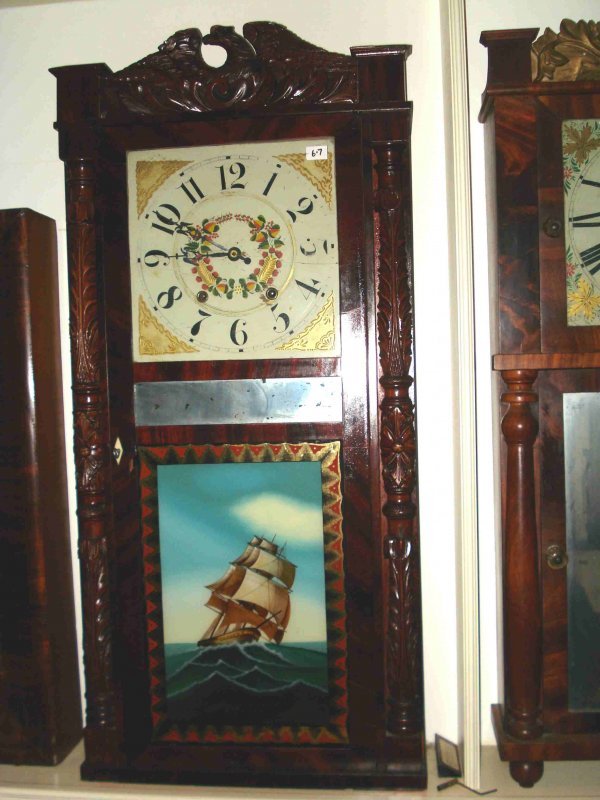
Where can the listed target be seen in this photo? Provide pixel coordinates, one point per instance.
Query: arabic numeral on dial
(235, 173)
(170, 218)
(305, 206)
(237, 334)
(267, 188)
(154, 257)
(282, 318)
(308, 290)
(310, 248)
(170, 297)
(195, 329)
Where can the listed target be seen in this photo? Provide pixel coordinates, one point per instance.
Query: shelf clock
(239, 247)
(541, 109)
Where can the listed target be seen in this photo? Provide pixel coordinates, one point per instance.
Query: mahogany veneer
(40, 708)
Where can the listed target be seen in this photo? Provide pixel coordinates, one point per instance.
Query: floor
(564, 780)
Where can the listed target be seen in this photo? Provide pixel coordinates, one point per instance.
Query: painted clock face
(581, 162)
(234, 252)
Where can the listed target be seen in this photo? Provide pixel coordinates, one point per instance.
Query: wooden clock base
(527, 757)
(410, 774)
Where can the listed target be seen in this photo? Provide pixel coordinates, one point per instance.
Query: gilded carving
(572, 54)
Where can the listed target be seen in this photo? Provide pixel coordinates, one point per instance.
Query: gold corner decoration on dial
(234, 251)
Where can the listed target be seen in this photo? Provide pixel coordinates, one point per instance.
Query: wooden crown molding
(268, 65)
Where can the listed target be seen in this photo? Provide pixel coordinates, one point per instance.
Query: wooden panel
(40, 709)
(517, 272)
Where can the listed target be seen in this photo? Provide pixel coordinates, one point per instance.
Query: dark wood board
(40, 704)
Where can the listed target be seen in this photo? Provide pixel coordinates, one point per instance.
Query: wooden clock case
(40, 701)
(531, 88)
(273, 85)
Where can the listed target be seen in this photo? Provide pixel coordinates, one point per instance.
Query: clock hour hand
(232, 253)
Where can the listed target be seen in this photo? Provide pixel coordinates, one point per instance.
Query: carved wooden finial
(267, 66)
(572, 54)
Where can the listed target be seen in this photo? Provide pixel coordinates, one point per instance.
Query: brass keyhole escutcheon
(117, 452)
(556, 558)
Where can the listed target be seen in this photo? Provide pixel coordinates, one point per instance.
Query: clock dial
(234, 252)
(581, 156)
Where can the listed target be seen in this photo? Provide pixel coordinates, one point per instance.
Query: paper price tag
(316, 152)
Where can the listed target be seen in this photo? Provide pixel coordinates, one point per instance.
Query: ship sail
(252, 598)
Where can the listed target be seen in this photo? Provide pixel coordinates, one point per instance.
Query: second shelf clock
(241, 320)
(542, 114)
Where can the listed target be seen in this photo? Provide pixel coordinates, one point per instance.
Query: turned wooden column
(91, 449)
(398, 446)
(521, 578)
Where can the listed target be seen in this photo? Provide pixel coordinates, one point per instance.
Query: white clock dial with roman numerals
(234, 252)
(581, 163)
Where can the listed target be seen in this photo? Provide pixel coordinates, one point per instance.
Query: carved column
(91, 446)
(398, 445)
(521, 579)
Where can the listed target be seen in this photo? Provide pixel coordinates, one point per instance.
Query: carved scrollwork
(398, 443)
(91, 448)
(83, 280)
(85, 339)
(398, 447)
(90, 452)
(572, 54)
(268, 65)
(97, 632)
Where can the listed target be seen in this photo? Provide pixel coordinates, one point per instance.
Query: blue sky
(208, 513)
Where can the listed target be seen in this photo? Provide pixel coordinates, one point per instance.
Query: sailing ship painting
(252, 599)
(243, 594)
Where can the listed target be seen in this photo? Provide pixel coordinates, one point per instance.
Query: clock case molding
(533, 85)
(272, 85)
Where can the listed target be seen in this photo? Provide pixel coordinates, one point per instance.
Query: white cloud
(270, 514)
(307, 620)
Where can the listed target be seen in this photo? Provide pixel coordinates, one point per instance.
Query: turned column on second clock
(521, 580)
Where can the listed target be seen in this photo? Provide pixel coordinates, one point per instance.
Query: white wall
(36, 36)
(491, 15)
